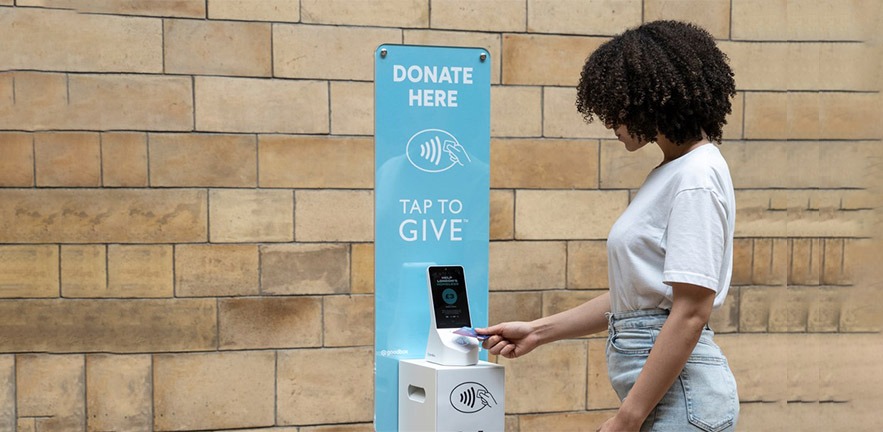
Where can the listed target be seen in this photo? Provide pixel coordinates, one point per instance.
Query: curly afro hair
(664, 77)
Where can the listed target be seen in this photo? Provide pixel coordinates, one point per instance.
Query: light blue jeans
(702, 398)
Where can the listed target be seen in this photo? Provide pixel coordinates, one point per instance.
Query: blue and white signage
(432, 185)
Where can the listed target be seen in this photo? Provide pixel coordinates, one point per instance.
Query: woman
(670, 252)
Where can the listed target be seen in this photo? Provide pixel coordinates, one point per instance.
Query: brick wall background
(186, 207)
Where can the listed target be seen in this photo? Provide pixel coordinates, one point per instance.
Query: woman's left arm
(691, 308)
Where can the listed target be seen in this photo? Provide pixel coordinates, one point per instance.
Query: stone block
(857, 307)
(532, 59)
(789, 312)
(828, 115)
(550, 378)
(833, 259)
(743, 253)
(745, 56)
(606, 17)
(514, 306)
(810, 415)
(362, 268)
(488, 41)
(125, 102)
(17, 164)
(124, 159)
(562, 120)
(490, 15)
(379, 13)
(83, 270)
(527, 265)
(544, 164)
(7, 392)
(352, 108)
(305, 269)
(123, 326)
(829, 200)
(849, 115)
(826, 308)
(217, 48)
(119, 392)
(516, 111)
(139, 271)
(258, 105)
(773, 164)
(216, 270)
(103, 216)
(805, 262)
(27, 424)
(328, 52)
(329, 215)
(766, 116)
(67, 159)
(502, 210)
(316, 162)
(755, 217)
(166, 8)
(213, 390)
(861, 157)
(7, 88)
(249, 10)
(754, 307)
(182, 160)
(28, 271)
(44, 39)
(771, 259)
(251, 215)
(569, 421)
(567, 214)
(621, 169)
(348, 320)
(307, 379)
(828, 20)
(556, 301)
(32, 100)
(847, 66)
(713, 16)
(52, 386)
(587, 265)
(263, 322)
(783, 367)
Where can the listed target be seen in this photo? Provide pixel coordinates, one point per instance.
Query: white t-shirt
(678, 228)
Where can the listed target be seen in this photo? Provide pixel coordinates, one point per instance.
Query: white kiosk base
(434, 397)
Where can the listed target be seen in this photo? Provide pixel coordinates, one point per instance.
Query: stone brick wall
(186, 207)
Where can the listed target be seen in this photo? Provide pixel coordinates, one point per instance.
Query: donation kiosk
(432, 192)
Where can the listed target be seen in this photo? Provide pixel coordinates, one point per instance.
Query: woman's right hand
(510, 339)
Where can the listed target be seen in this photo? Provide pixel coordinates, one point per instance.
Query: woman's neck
(672, 151)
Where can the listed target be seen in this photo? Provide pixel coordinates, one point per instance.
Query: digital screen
(449, 297)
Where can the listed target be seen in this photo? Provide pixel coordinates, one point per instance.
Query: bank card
(469, 331)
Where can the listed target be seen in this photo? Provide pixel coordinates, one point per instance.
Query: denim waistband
(641, 318)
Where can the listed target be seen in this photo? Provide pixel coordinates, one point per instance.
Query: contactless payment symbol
(471, 397)
(435, 150)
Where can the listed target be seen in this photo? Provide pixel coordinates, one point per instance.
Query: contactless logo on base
(435, 150)
(471, 397)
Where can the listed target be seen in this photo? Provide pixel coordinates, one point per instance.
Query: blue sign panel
(432, 185)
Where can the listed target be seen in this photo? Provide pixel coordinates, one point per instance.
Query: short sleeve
(695, 239)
